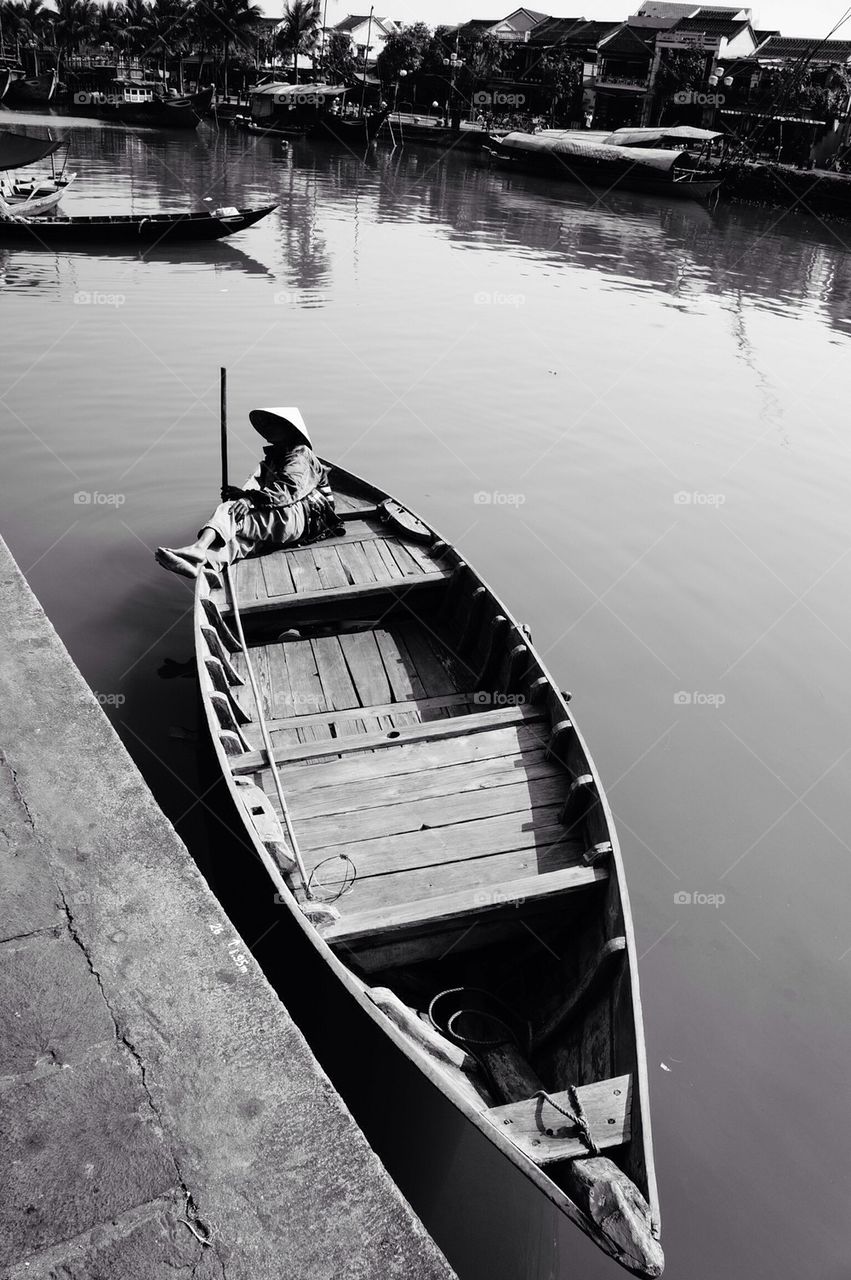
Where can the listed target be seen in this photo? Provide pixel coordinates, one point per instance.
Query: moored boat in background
(105, 230)
(146, 103)
(32, 91)
(612, 161)
(419, 794)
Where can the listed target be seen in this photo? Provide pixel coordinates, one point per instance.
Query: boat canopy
(18, 149)
(650, 137)
(281, 91)
(572, 147)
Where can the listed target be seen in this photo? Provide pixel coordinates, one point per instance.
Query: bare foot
(176, 562)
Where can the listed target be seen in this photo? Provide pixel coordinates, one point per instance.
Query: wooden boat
(145, 103)
(570, 157)
(460, 872)
(354, 131)
(31, 199)
(129, 228)
(32, 91)
(6, 75)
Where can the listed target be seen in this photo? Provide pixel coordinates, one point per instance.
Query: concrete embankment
(160, 1113)
(779, 186)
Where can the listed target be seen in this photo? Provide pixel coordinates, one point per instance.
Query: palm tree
(299, 29)
(164, 25)
(75, 23)
(234, 21)
(136, 25)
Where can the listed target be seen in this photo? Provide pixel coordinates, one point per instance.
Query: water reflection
(659, 348)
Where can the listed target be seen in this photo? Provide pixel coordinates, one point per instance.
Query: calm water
(653, 402)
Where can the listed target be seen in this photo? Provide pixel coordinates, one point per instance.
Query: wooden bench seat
(433, 731)
(433, 913)
(545, 1135)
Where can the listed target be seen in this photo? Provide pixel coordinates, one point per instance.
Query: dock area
(160, 1112)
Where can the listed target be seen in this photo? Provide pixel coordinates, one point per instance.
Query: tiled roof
(553, 30)
(712, 26)
(800, 46)
(593, 32)
(630, 42)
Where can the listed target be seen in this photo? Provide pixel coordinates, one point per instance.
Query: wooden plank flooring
(461, 804)
(366, 557)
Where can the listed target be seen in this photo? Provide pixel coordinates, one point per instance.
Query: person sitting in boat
(287, 500)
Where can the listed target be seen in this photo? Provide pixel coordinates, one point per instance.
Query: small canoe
(440, 833)
(154, 228)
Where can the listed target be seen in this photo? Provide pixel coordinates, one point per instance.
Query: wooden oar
(317, 912)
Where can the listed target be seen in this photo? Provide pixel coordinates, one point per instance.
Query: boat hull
(164, 113)
(37, 91)
(154, 229)
(360, 132)
(626, 175)
(350, 950)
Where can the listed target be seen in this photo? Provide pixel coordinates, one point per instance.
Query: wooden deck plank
(355, 563)
(399, 666)
(510, 743)
(305, 574)
(403, 558)
(260, 665)
(483, 776)
(434, 731)
(250, 583)
(334, 674)
(537, 833)
(328, 566)
(376, 561)
(276, 574)
(383, 550)
(366, 668)
(435, 676)
(433, 814)
(283, 702)
(431, 909)
(307, 692)
(328, 597)
(424, 709)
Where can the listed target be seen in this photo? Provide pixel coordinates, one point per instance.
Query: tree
(561, 78)
(403, 50)
(75, 24)
(232, 22)
(338, 59)
(299, 29)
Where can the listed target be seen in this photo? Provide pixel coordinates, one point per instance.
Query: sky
(792, 17)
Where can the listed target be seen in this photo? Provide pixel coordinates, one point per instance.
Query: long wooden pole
(223, 419)
(252, 680)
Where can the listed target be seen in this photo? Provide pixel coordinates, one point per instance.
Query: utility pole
(365, 56)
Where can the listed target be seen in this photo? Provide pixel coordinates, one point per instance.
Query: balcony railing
(612, 80)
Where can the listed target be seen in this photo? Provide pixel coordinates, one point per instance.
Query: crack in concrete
(16, 787)
(193, 1220)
